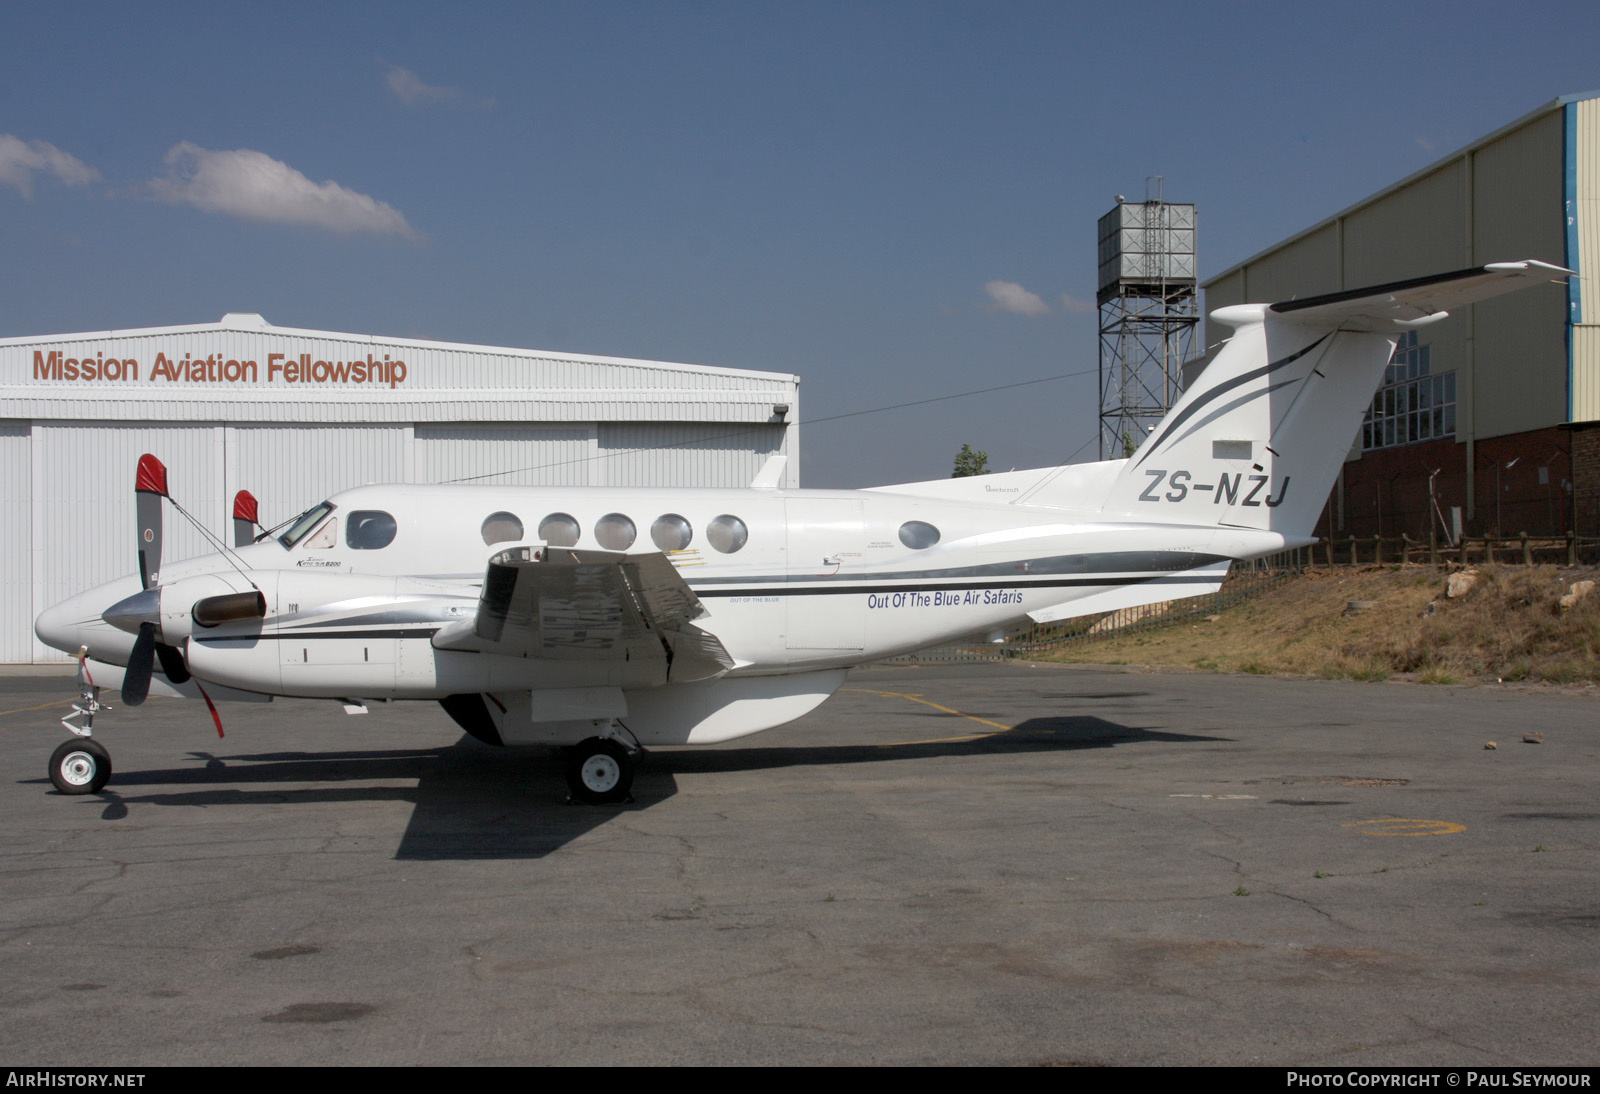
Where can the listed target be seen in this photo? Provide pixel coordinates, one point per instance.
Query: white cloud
(409, 89)
(1073, 306)
(21, 161)
(1008, 296)
(255, 186)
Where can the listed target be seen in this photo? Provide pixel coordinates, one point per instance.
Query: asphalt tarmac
(943, 865)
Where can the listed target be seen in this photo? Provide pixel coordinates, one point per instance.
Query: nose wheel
(599, 771)
(80, 767)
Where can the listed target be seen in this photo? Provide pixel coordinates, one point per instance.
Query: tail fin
(1257, 441)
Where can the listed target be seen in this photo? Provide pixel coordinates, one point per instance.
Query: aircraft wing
(563, 604)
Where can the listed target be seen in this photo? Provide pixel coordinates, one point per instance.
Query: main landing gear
(600, 771)
(81, 765)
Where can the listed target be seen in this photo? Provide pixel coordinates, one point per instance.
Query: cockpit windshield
(304, 524)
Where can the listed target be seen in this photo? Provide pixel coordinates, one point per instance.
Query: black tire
(80, 766)
(599, 772)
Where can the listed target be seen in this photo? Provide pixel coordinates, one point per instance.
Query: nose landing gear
(81, 765)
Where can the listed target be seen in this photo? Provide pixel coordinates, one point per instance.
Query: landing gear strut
(600, 771)
(81, 766)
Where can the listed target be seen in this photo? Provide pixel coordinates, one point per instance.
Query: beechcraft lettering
(1226, 490)
(607, 620)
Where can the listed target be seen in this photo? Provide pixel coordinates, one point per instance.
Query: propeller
(150, 486)
(141, 615)
(141, 662)
(172, 663)
(244, 519)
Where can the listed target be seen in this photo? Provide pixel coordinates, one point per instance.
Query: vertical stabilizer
(1257, 441)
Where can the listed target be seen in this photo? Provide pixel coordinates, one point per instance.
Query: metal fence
(1567, 550)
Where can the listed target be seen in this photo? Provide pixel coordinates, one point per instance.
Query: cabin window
(615, 532)
(501, 528)
(918, 535)
(727, 533)
(671, 532)
(368, 530)
(559, 530)
(304, 523)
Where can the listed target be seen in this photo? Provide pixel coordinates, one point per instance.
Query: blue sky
(843, 191)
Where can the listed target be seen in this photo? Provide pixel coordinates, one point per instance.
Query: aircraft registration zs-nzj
(608, 620)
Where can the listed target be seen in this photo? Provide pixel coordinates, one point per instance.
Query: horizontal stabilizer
(1137, 596)
(1401, 304)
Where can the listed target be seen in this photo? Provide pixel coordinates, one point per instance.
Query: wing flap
(563, 604)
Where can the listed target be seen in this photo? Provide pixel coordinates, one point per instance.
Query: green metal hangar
(294, 415)
(1502, 399)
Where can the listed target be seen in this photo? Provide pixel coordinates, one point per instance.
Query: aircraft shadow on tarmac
(475, 802)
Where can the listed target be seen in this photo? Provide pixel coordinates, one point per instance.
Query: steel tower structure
(1149, 315)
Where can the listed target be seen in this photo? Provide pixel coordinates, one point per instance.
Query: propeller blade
(150, 486)
(172, 662)
(244, 519)
(141, 663)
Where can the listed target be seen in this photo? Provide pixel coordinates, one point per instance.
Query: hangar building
(1502, 398)
(295, 415)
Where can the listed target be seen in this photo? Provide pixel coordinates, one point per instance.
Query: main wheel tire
(599, 772)
(80, 766)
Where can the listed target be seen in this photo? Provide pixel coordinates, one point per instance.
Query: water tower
(1149, 315)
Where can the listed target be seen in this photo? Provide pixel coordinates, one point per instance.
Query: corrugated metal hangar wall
(295, 415)
(1500, 383)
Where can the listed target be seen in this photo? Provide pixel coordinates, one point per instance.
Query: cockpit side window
(368, 529)
(304, 523)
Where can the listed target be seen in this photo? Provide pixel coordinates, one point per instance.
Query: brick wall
(1386, 491)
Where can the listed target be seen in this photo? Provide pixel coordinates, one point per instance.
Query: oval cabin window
(615, 532)
(727, 533)
(671, 532)
(918, 535)
(559, 530)
(501, 528)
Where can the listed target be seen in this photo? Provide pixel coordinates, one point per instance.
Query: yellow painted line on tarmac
(917, 698)
(41, 706)
(1405, 826)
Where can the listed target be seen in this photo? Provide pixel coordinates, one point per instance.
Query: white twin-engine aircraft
(612, 619)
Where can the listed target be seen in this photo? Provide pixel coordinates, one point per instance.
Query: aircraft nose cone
(128, 614)
(77, 622)
(57, 627)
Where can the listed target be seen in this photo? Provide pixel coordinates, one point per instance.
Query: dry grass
(1509, 626)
